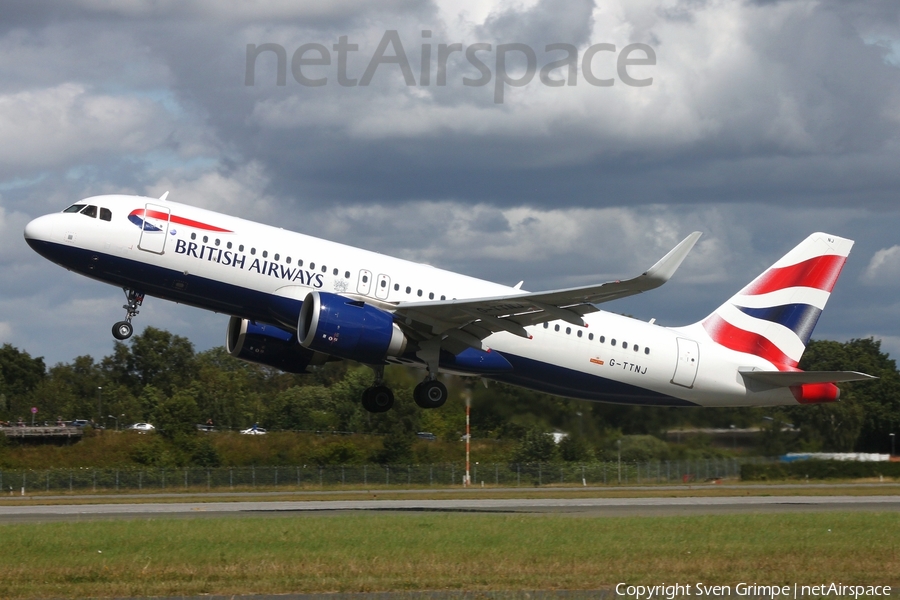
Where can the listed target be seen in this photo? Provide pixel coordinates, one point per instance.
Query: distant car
(254, 431)
(80, 423)
(426, 435)
(142, 427)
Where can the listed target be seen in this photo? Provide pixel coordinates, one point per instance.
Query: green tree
(536, 446)
(177, 416)
(302, 408)
(574, 448)
(155, 357)
(20, 375)
(867, 412)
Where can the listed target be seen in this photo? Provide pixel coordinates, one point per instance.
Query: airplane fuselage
(261, 273)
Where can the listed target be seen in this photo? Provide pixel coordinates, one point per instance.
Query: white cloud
(49, 127)
(884, 268)
(240, 192)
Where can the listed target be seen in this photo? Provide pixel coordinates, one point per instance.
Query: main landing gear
(431, 393)
(123, 329)
(379, 398)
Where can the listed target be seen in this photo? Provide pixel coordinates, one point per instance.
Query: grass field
(372, 552)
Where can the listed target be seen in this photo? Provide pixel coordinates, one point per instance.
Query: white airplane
(297, 301)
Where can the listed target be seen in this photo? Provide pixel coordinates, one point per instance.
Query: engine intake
(268, 345)
(348, 329)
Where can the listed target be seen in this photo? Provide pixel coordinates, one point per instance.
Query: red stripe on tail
(724, 333)
(820, 272)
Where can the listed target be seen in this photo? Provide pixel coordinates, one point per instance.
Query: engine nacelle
(268, 345)
(348, 328)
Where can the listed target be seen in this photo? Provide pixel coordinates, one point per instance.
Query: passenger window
(556, 328)
(579, 333)
(396, 287)
(346, 274)
(277, 256)
(602, 339)
(335, 272)
(431, 295)
(568, 330)
(265, 254)
(408, 289)
(647, 350)
(590, 336)
(546, 325)
(419, 293)
(228, 245)
(443, 297)
(205, 239)
(324, 268)
(106, 214)
(90, 211)
(74, 208)
(312, 266)
(240, 248)
(383, 283)
(636, 348)
(300, 262)
(217, 241)
(287, 259)
(194, 237)
(613, 341)
(365, 279)
(253, 251)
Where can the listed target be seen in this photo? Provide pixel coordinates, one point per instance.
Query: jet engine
(268, 345)
(348, 329)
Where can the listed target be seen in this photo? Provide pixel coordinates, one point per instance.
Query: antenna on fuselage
(164, 196)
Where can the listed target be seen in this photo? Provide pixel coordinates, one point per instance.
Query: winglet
(668, 264)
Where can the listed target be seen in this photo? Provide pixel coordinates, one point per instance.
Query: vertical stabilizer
(774, 315)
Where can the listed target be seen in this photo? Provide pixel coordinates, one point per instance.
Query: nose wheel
(123, 329)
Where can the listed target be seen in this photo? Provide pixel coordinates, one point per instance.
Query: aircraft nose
(40, 229)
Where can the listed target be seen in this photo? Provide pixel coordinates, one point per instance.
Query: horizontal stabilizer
(789, 378)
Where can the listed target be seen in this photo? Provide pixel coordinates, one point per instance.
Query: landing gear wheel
(431, 393)
(122, 330)
(378, 399)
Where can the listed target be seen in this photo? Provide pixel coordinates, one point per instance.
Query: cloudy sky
(757, 123)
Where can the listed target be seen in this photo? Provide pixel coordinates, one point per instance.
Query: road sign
(34, 410)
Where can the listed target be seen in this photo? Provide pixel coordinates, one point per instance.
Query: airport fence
(22, 481)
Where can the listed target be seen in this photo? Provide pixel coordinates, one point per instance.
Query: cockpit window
(74, 208)
(105, 214)
(90, 211)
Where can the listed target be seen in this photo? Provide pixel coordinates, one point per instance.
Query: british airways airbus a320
(297, 301)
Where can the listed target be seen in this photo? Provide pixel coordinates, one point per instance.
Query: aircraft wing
(471, 320)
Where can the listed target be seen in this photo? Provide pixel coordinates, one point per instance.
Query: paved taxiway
(574, 506)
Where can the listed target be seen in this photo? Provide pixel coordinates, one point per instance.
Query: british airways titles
(239, 260)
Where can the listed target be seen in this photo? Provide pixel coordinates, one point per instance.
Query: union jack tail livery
(774, 315)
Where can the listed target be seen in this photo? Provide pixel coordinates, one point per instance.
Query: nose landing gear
(123, 329)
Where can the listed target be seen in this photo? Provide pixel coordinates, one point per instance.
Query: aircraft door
(364, 285)
(383, 286)
(688, 361)
(154, 228)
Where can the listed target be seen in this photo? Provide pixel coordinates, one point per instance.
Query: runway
(596, 507)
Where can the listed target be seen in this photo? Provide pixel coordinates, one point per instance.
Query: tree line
(158, 377)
